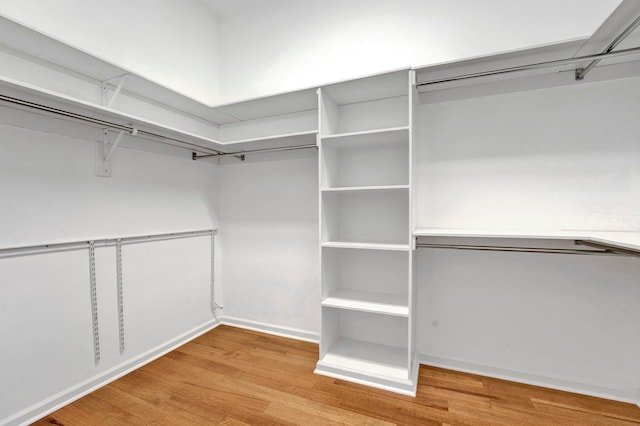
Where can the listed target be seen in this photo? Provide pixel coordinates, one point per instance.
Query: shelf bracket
(105, 98)
(105, 150)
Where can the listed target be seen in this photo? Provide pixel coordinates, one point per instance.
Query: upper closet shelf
(44, 71)
(622, 240)
(539, 67)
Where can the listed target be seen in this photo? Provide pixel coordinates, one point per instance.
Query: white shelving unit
(365, 232)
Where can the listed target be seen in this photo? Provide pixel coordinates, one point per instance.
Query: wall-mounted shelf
(612, 239)
(44, 71)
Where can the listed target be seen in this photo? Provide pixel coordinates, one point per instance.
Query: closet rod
(241, 154)
(104, 242)
(601, 250)
(582, 72)
(539, 65)
(106, 124)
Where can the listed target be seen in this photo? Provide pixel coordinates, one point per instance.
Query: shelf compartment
(367, 103)
(366, 217)
(366, 280)
(366, 159)
(367, 358)
(369, 343)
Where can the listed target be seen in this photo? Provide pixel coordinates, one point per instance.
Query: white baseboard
(276, 330)
(622, 395)
(67, 396)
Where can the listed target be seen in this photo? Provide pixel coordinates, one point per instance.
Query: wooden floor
(233, 377)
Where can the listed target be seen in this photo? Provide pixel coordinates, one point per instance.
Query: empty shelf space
(372, 188)
(367, 301)
(368, 358)
(366, 246)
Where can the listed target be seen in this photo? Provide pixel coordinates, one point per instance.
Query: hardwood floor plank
(231, 376)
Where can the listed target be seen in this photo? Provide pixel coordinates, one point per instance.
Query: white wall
(564, 158)
(50, 194)
(312, 43)
(269, 241)
(171, 42)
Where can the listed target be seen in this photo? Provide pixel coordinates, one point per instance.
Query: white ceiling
(228, 7)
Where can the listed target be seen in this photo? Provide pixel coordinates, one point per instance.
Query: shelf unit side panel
(329, 118)
(413, 103)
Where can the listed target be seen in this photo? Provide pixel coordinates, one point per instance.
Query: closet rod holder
(539, 65)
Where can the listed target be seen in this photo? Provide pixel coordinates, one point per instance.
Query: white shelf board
(53, 99)
(368, 301)
(373, 188)
(270, 106)
(626, 240)
(372, 359)
(366, 246)
(388, 134)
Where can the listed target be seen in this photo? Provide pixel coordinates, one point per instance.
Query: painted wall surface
(269, 239)
(171, 42)
(312, 43)
(565, 158)
(50, 194)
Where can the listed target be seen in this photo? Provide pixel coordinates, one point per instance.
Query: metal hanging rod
(539, 65)
(600, 251)
(106, 124)
(105, 242)
(582, 72)
(240, 154)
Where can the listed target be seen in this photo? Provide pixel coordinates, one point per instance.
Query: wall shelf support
(107, 100)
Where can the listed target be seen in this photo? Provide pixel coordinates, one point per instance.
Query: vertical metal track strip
(94, 301)
(214, 305)
(120, 294)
